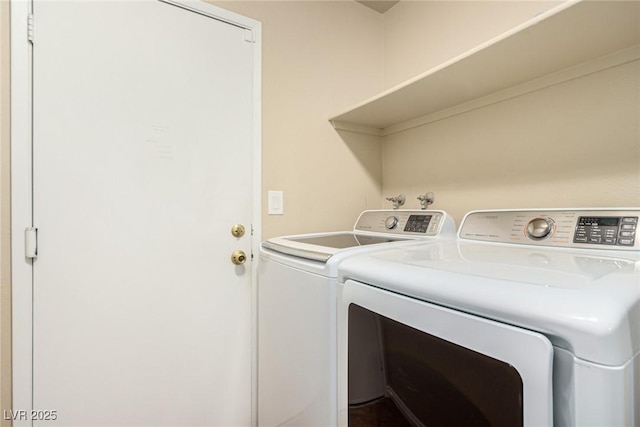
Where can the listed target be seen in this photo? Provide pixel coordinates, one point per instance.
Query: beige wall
(572, 144)
(575, 144)
(319, 58)
(419, 35)
(5, 240)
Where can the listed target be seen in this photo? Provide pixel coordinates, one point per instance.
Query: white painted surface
(145, 149)
(21, 272)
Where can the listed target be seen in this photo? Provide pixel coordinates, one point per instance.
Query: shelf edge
(612, 60)
(353, 127)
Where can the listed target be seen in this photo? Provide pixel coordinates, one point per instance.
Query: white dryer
(297, 378)
(530, 318)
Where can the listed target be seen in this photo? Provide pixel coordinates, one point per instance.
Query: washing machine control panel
(585, 228)
(607, 230)
(406, 222)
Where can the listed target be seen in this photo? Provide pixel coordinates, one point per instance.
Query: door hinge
(30, 28)
(31, 242)
(248, 36)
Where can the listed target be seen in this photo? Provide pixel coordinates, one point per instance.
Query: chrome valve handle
(397, 201)
(426, 200)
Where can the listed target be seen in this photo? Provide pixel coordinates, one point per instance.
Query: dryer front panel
(444, 367)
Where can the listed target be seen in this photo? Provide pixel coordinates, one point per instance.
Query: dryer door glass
(435, 381)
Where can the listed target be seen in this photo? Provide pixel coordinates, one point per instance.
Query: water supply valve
(397, 201)
(426, 200)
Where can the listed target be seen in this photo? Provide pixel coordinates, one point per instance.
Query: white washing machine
(530, 318)
(297, 378)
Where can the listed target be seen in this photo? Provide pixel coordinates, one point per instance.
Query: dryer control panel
(585, 228)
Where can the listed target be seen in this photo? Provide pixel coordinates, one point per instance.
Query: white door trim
(21, 208)
(21, 189)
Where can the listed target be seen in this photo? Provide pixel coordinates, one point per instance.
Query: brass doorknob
(238, 230)
(238, 257)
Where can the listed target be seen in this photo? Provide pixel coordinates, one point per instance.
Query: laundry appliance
(529, 318)
(297, 378)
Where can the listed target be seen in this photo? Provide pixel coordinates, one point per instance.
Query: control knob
(540, 228)
(391, 222)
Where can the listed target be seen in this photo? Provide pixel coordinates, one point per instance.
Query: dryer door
(444, 367)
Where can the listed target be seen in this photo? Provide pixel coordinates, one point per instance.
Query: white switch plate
(276, 203)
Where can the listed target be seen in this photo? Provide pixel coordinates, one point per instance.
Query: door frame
(22, 190)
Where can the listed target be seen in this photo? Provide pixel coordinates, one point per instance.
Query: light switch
(276, 203)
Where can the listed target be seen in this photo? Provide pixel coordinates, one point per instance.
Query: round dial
(391, 222)
(540, 228)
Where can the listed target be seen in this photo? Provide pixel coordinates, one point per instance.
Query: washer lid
(585, 301)
(321, 247)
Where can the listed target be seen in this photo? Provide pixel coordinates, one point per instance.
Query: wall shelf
(571, 39)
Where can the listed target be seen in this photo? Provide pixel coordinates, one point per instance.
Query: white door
(143, 137)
